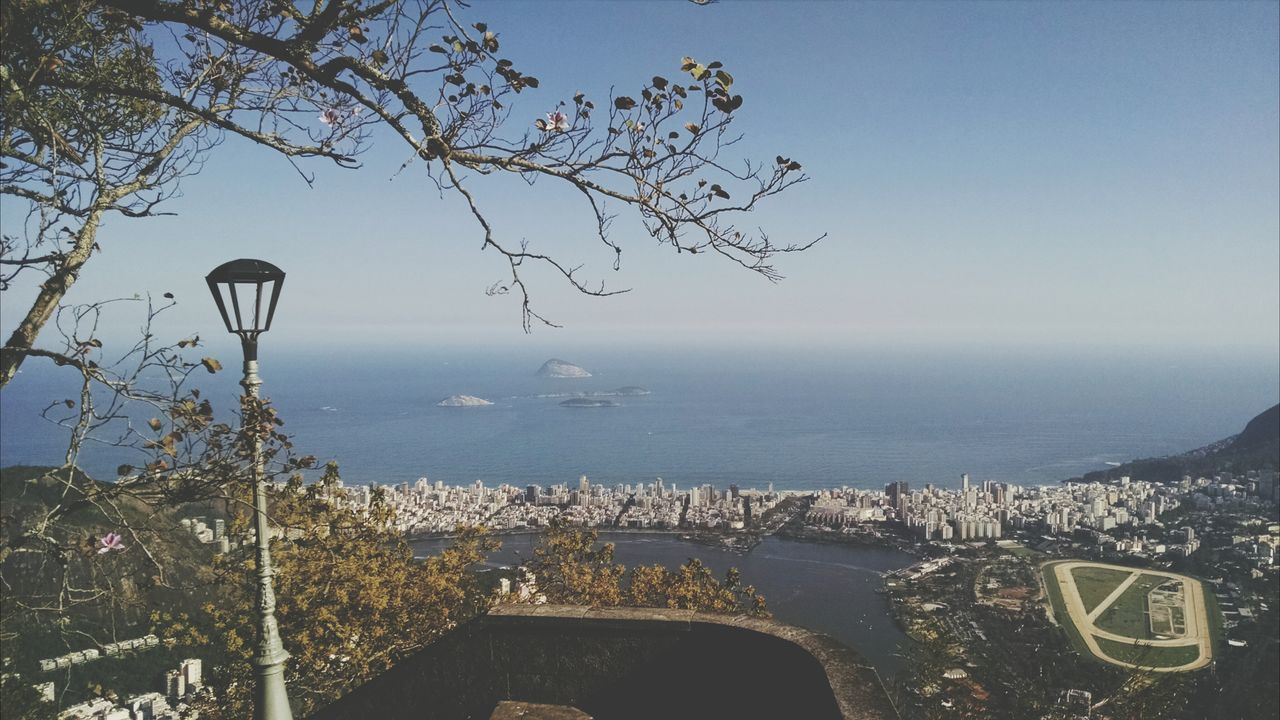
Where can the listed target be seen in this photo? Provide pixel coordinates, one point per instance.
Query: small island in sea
(555, 368)
(629, 391)
(582, 402)
(463, 401)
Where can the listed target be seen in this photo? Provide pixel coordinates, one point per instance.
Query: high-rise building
(1269, 486)
(175, 685)
(964, 482)
(531, 494)
(898, 493)
(191, 673)
(584, 485)
(1000, 493)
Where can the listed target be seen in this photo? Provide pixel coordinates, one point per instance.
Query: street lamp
(251, 288)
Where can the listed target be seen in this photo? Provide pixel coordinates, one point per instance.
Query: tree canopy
(352, 599)
(571, 566)
(109, 103)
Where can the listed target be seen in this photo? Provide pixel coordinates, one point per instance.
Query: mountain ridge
(1256, 447)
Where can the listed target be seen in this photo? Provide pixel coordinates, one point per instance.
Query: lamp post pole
(271, 702)
(245, 285)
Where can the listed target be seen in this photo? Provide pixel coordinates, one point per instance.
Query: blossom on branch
(555, 122)
(110, 541)
(330, 117)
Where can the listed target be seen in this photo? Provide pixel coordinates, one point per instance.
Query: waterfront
(830, 588)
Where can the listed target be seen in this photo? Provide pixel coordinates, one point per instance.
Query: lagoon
(830, 588)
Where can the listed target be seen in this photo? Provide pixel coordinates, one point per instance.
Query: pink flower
(110, 541)
(557, 121)
(330, 117)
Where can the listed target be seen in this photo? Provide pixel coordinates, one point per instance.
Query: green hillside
(1257, 447)
(167, 575)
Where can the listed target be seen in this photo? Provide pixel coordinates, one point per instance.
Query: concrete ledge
(512, 710)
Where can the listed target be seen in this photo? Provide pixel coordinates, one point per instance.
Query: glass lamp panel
(235, 292)
(220, 298)
(271, 303)
(257, 307)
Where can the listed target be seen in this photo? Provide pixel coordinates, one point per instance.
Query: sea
(793, 417)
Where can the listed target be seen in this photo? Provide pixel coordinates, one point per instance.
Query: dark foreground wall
(625, 663)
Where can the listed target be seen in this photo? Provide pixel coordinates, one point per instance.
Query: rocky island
(555, 368)
(463, 401)
(629, 391)
(582, 402)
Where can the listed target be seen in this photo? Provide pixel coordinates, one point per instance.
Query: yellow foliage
(351, 600)
(570, 568)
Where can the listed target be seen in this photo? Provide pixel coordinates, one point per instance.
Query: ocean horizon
(797, 419)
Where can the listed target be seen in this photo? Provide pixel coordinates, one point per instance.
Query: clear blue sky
(990, 174)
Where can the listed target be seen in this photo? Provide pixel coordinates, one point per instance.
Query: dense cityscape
(1109, 519)
(990, 510)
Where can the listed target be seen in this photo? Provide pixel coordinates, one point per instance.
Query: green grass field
(1156, 657)
(1022, 551)
(1095, 584)
(1127, 616)
(1060, 610)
